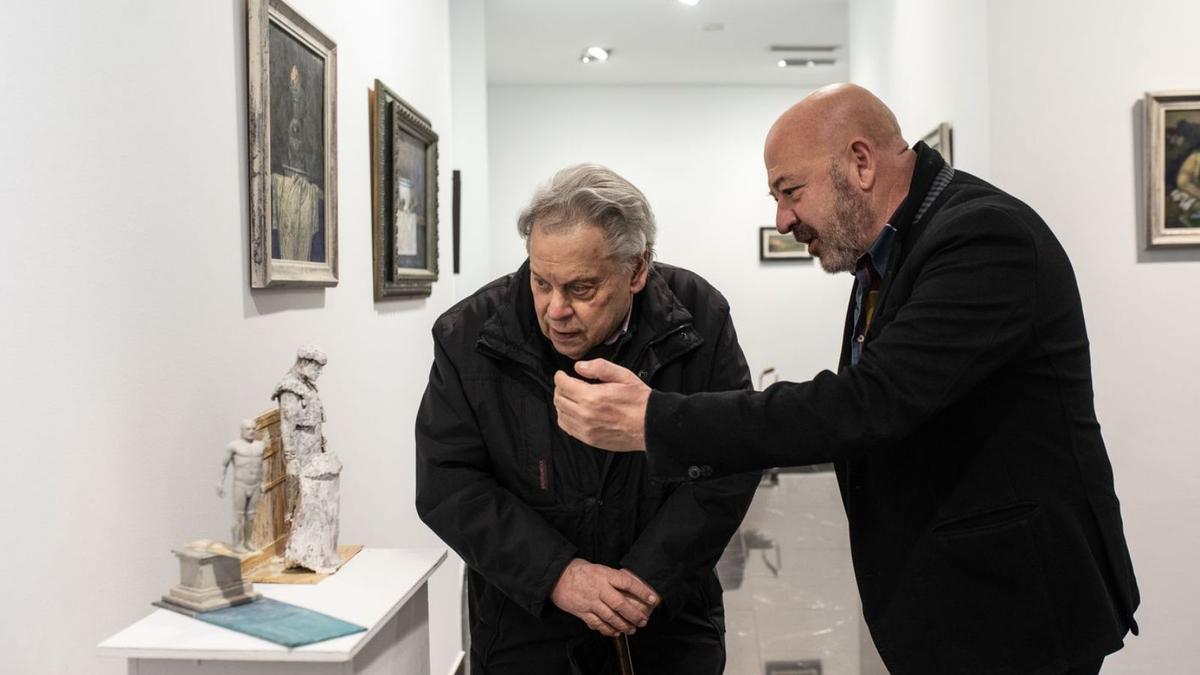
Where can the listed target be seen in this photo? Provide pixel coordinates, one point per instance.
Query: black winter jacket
(517, 498)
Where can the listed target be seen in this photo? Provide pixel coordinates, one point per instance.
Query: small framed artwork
(293, 148)
(793, 668)
(1172, 168)
(775, 246)
(942, 140)
(404, 176)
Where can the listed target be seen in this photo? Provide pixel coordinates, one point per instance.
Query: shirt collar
(623, 329)
(880, 253)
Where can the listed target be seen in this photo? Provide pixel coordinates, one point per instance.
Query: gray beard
(844, 241)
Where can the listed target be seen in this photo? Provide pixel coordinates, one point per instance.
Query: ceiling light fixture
(595, 55)
(807, 63)
(689, 3)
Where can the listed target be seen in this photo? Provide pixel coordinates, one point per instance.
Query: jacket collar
(512, 330)
(908, 230)
(929, 164)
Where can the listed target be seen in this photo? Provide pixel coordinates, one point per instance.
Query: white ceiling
(662, 41)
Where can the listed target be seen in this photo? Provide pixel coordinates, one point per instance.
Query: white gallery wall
(131, 342)
(696, 152)
(1056, 105)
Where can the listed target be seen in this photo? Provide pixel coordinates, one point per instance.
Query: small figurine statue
(246, 455)
(300, 418)
(314, 538)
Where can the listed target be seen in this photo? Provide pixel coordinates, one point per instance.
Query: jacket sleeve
(970, 312)
(690, 531)
(496, 533)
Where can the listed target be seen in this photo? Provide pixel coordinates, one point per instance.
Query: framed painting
(1172, 168)
(942, 140)
(293, 148)
(775, 246)
(404, 177)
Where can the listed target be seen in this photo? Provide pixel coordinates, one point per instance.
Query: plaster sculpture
(246, 456)
(208, 581)
(313, 542)
(300, 418)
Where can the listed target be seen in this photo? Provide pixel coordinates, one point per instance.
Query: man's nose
(784, 219)
(560, 307)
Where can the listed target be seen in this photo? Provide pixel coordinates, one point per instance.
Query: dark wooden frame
(265, 271)
(389, 111)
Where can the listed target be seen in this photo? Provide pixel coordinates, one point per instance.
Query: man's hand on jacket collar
(609, 414)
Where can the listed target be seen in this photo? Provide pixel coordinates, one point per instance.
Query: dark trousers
(1088, 668)
(695, 654)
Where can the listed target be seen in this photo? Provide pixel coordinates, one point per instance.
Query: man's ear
(863, 163)
(640, 273)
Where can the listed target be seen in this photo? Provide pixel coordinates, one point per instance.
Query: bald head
(831, 117)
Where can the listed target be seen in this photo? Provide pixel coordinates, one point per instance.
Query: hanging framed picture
(404, 177)
(293, 148)
(942, 140)
(1172, 168)
(774, 246)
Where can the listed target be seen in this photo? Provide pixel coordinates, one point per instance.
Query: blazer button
(861, 338)
(693, 472)
(706, 471)
(643, 374)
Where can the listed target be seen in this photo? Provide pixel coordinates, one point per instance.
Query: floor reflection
(790, 601)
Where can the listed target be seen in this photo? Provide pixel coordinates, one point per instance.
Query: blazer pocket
(986, 521)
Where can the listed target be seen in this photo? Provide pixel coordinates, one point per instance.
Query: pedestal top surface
(367, 591)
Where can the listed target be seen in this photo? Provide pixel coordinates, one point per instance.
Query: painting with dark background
(1181, 165)
(410, 228)
(296, 91)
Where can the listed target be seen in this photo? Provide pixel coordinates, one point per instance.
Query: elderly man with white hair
(569, 546)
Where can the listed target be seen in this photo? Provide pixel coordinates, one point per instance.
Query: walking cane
(623, 659)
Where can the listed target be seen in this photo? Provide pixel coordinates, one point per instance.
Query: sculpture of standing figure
(300, 418)
(246, 456)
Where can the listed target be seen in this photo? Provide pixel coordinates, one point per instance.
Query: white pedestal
(385, 590)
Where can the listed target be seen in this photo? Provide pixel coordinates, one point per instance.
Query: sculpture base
(275, 571)
(215, 598)
(208, 580)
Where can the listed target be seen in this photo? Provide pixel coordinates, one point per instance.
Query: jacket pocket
(981, 604)
(533, 461)
(984, 521)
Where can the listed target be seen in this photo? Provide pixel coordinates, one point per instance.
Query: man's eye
(541, 285)
(580, 291)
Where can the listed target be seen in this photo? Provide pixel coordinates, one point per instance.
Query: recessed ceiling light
(808, 63)
(689, 3)
(595, 55)
(712, 27)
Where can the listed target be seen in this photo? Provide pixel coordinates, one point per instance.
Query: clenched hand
(610, 414)
(609, 601)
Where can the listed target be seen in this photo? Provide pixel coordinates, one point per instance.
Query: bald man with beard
(985, 530)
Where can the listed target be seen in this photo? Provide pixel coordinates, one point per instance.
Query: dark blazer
(985, 531)
(518, 499)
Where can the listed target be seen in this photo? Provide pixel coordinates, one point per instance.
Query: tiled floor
(797, 600)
